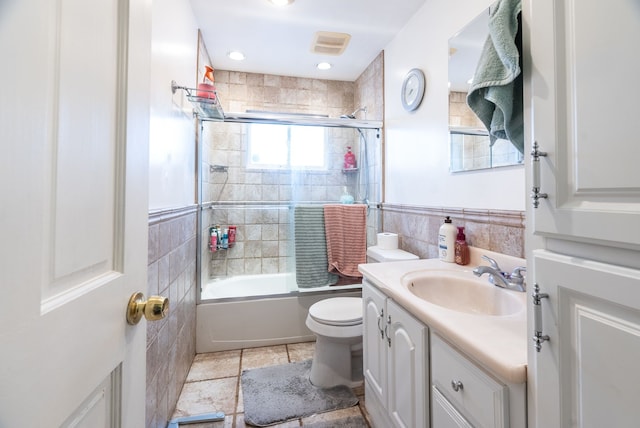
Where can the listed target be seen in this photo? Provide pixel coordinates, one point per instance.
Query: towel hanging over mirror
(495, 95)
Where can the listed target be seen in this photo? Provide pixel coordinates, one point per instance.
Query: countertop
(497, 342)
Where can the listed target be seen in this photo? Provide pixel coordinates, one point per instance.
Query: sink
(462, 292)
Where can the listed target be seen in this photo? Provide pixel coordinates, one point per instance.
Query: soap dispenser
(461, 248)
(446, 241)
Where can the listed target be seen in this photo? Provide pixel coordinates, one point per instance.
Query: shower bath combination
(245, 285)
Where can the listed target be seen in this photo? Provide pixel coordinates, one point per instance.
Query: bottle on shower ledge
(349, 159)
(346, 197)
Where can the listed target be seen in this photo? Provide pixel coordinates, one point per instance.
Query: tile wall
(171, 341)
(417, 227)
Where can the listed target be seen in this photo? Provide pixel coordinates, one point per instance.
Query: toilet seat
(337, 311)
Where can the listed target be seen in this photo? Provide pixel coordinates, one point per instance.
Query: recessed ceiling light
(323, 66)
(281, 3)
(236, 55)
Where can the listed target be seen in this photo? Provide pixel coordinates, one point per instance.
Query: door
(374, 341)
(587, 374)
(74, 116)
(585, 116)
(408, 374)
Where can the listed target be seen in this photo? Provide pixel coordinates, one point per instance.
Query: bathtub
(260, 286)
(258, 310)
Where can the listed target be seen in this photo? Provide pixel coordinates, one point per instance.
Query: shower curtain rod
(300, 120)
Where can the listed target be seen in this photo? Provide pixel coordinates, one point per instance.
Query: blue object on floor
(207, 417)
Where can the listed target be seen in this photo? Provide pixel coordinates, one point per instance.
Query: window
(286, 146)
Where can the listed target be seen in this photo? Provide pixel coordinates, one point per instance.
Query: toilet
(337, 324)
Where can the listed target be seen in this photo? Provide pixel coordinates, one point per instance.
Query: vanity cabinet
(410, 369)
(396, 363)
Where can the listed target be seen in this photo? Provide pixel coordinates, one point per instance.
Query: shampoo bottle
(349, 159)
(462, 248)
(446, 241)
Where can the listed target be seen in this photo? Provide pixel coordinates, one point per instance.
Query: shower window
(286, 147)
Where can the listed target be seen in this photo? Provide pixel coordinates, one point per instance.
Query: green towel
(312, 265)
(495, 95)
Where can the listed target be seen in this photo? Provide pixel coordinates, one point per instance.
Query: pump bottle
(462, 248)
(446, 241)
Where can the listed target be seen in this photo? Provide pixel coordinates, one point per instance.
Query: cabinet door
(408, 374)
(585, 116)
(374, 341)
(587, 373)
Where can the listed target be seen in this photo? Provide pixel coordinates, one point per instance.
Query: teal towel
(495, 95)
(311, 248)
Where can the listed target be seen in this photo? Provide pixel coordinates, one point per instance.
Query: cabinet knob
(456, 385)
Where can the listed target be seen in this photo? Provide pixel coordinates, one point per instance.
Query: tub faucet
(511, 281)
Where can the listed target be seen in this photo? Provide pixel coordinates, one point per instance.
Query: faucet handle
(517, 272)
(492, 262)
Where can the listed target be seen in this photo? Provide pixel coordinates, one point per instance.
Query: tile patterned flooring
(213, 384)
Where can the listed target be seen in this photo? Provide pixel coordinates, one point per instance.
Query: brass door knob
(153, 309)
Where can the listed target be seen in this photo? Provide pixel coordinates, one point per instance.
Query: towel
(346, 227)
(311, 248)
(495, 95)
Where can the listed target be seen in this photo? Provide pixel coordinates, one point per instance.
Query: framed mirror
(469, 144)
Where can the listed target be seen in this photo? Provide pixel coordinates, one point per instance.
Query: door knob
(153, 309)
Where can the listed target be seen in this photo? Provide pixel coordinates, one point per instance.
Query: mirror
(470, 148)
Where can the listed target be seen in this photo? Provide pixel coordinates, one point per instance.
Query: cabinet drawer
(444, 415)
(479, 397)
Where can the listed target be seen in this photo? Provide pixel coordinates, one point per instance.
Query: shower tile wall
(170, 341)
(258, 201)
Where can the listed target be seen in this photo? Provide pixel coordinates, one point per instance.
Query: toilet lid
(337, 311)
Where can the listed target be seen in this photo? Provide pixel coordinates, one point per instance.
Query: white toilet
(337, 324)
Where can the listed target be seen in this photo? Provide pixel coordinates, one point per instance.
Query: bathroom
(61, 256)
(416, 151)
(415, 147)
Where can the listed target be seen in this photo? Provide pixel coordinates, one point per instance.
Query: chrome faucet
(511, 281)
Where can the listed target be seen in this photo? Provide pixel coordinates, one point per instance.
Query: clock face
(412, 89)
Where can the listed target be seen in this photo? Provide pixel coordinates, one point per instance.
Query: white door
(587, 372)
(374, 341)
(585, 116)
(73, 177)
(408, 375)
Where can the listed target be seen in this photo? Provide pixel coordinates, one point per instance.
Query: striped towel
(346, 227)
(311, 248)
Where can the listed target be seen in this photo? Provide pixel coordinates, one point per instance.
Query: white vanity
(443, 348)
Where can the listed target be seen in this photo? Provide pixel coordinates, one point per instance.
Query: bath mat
(280, 393)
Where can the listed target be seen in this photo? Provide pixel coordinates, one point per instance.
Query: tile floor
(213, 384)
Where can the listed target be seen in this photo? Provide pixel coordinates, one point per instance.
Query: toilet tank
(376, 254)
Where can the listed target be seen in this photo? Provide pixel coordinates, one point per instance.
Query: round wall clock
(412, 89)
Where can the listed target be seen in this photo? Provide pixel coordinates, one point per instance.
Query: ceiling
(279, 40)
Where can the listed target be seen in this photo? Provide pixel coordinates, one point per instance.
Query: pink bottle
(349, 159)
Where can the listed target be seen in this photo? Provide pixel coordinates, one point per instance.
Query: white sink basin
(462, 292)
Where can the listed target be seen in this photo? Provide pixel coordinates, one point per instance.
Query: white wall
(417, 151)
(172, 137)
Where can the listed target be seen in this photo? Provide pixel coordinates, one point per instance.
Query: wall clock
(412, 89)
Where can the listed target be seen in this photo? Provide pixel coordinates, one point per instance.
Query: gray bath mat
(279, 393)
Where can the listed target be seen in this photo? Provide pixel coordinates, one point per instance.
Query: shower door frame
(280, 119)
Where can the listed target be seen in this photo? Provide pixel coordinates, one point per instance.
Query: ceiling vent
(329, 43)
